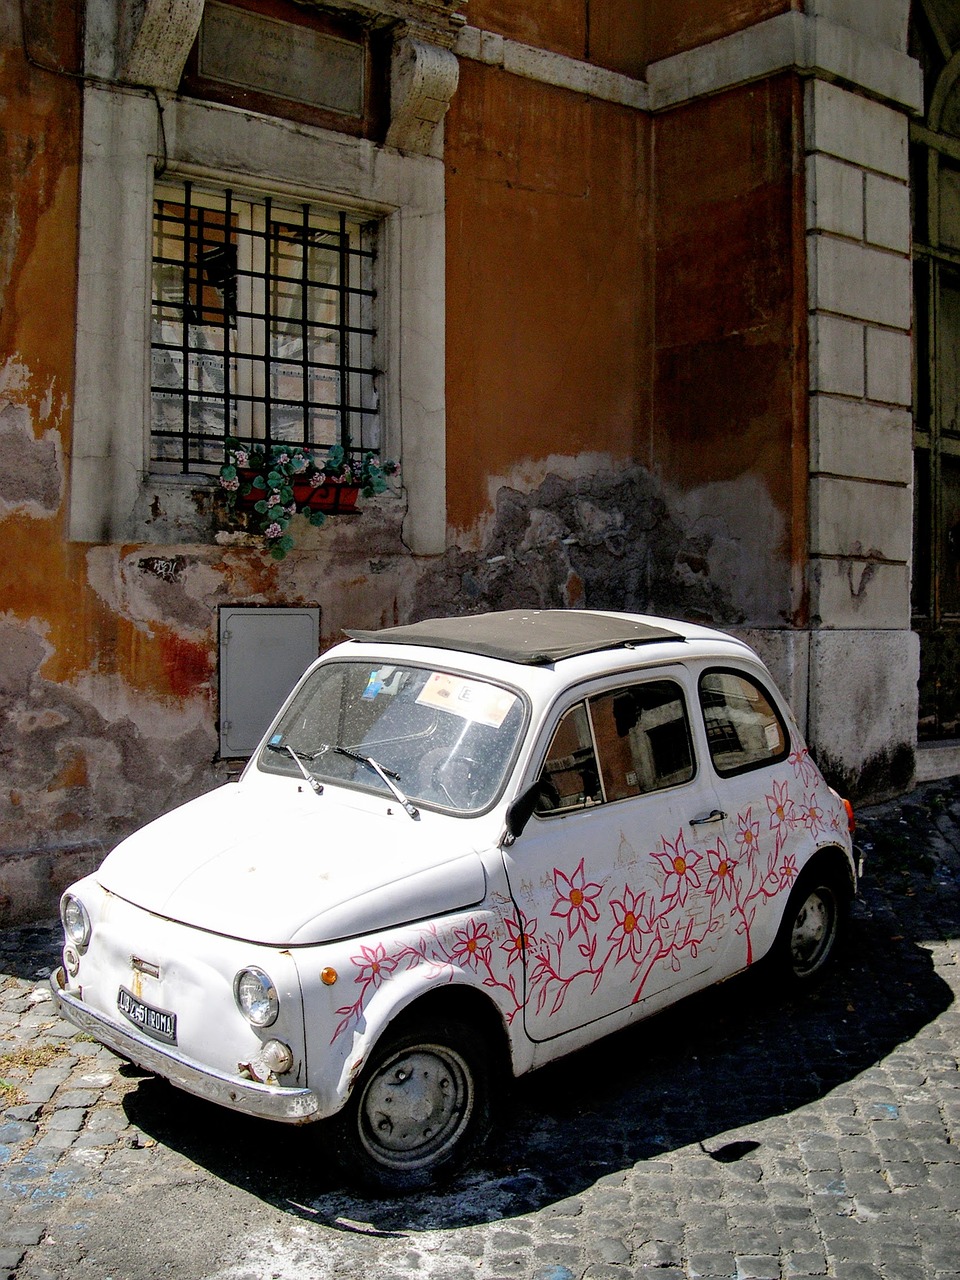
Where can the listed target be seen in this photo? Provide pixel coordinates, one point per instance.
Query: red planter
(334, 499)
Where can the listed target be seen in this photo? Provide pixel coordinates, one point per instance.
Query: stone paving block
(711, 1264)
(68, 1119)
(758, 1267)
(16, 1131)
(856, 1271)
(77, 1098)
(804, 1239)
(22, 1234)
(797, 1265)
(28, 1111)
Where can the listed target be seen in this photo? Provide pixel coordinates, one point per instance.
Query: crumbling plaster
(613, 537)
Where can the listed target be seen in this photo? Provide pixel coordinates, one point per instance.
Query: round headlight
(76, 922)
(256, 997)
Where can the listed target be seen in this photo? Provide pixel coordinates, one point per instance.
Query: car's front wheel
(811, 925)
(421, 1107)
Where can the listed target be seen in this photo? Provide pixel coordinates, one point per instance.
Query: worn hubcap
(813, 931)
(416, 1107)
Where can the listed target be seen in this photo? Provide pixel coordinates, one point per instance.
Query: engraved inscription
(281, 59)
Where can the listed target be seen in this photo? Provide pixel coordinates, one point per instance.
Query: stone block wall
(863, 703)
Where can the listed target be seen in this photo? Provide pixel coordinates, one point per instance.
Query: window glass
(643, 738)
(744, 731)
(619, 744)
(262, 326)
(569, 774)
(445, 739)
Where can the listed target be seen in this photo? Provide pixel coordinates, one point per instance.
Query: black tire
(421, 1107)
(811, 927)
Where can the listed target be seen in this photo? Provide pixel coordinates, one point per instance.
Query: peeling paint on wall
(30, 471)
(612, 539)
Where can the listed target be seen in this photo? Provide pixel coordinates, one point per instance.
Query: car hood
(299, 870)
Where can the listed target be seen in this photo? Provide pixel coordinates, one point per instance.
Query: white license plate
(157, 1023)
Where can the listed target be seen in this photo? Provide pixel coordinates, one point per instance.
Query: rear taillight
(851, 820)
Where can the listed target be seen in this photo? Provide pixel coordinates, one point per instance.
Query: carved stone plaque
(281, 59)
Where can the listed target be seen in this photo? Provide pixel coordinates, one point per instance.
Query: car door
(619, 891)
(777, 806)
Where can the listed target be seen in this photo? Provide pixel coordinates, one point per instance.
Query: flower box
(293, 481)
(333, 498)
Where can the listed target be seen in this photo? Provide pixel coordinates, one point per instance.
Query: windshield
(447, 740)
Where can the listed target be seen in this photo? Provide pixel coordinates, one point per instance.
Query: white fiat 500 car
(464, 848)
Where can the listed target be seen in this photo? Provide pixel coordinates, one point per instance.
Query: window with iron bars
(262, 327)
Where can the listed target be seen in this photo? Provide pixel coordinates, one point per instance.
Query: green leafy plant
(281, 481)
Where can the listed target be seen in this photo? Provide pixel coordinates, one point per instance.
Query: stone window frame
(129, 138)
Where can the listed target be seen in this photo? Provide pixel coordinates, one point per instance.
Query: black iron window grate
(262, 327)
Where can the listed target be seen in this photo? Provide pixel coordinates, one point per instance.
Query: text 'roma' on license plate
(152, 1022)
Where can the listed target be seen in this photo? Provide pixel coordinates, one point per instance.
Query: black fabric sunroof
(535, 637)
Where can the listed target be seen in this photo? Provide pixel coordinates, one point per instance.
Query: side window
(569, 774)
(643, 738)
(619, 744)
(744, 729)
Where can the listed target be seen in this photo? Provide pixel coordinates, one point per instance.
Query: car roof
(533, 637)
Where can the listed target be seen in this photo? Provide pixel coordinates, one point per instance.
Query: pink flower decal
(679, 864)
(720, 880)
(627, 929)
(788, 872)
(472, 945)
(811, 814)
(782, 815)
(748, 834)
(803, 766)
(520, 941)
(373, 965)
(576, 901)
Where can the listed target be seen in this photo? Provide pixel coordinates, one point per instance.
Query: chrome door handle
(714, 816)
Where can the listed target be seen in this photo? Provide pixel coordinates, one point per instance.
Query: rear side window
(619, 744)
(744, 729)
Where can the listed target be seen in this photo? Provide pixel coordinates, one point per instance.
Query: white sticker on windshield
(472, 699)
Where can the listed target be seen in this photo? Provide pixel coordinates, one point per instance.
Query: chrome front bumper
(269, 1102)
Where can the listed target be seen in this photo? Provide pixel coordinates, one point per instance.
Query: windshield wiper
(298, 759)
(385, 775)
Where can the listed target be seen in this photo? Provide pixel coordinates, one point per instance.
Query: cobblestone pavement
(740, 1134)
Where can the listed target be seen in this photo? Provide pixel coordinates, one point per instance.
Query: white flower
(273, 530)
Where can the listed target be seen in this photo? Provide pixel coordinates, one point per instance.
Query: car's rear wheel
(811, 926)
(421, 1107)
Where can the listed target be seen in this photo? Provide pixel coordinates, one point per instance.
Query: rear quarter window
(744, 728)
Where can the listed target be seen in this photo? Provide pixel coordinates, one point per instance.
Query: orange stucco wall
(548, 280)
(730, 303)
(624, 329)
(623, 35)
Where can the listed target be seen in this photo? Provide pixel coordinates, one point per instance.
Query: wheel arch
(836, 862)
(454, 1000)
